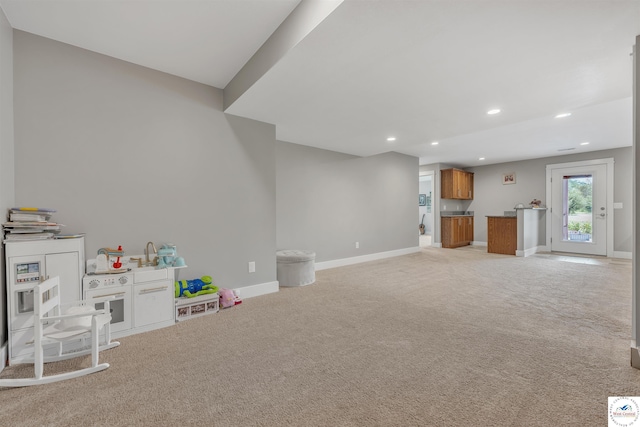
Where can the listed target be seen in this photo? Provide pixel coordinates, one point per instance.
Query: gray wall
(6, 147)
(493, 198)
(129, 155)
(327, 201)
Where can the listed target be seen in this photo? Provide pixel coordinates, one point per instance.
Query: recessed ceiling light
(391, 138)
(584, 143)
(481, 158)
(561, 115)
(494, 111)
(435, 143)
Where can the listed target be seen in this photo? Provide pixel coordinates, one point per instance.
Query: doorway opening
(425, 209)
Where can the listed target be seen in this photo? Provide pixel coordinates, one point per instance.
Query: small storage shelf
(188, 308)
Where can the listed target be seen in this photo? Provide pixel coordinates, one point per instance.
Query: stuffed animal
(228, 298)
(193, 288)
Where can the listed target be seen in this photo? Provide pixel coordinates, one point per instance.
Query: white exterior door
(579, 210)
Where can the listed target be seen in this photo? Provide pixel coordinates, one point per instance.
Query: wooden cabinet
(456, 184)
(502, 237)
(456, 231)
(450, 233)
(468, 229)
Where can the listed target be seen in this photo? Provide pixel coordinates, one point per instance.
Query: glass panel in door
(577, 206)
(578, 209)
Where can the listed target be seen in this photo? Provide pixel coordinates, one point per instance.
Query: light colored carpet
(441, 337)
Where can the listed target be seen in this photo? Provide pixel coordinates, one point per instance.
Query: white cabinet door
(65, 265)
(153, 303)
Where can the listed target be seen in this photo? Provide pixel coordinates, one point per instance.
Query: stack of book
(30, 224)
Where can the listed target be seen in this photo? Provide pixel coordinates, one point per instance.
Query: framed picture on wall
(509, 178)
(422, 199)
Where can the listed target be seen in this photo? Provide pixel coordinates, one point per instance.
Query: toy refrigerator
(27, 264)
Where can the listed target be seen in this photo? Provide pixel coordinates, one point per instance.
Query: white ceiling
(207, 41)
(419, 70)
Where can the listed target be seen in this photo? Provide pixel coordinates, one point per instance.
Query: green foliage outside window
(580, 196)
(580, 227)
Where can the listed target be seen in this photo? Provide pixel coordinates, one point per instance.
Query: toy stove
(117, 287)
(141, 298)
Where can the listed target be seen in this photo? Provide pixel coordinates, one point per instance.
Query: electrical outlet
(252, 267)
(357, 245)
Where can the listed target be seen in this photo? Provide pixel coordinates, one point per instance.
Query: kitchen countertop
(455, 213)
(513, 214)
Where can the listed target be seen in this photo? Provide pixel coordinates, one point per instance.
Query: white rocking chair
(50, 326)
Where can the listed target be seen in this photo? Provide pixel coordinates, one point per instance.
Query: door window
(577, 207)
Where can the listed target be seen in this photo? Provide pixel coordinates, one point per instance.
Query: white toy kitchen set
(141, 290)
(143, 287)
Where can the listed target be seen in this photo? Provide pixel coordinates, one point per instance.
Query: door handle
(116, 295)
(148, 291)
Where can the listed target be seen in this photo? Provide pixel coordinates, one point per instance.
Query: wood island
(520, 232)
(502, 234)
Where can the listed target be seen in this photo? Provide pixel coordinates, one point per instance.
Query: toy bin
(188, 308)
(295, 267)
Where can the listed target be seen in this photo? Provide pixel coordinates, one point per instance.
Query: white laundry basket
(295, 267)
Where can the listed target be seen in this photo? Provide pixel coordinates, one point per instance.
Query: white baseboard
(622, 255)
(477, 243)
(436, 244)
(257, 290)
(531, 251)
(364, 258)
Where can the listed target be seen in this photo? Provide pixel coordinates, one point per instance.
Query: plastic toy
(167, 255)
(193, 288)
